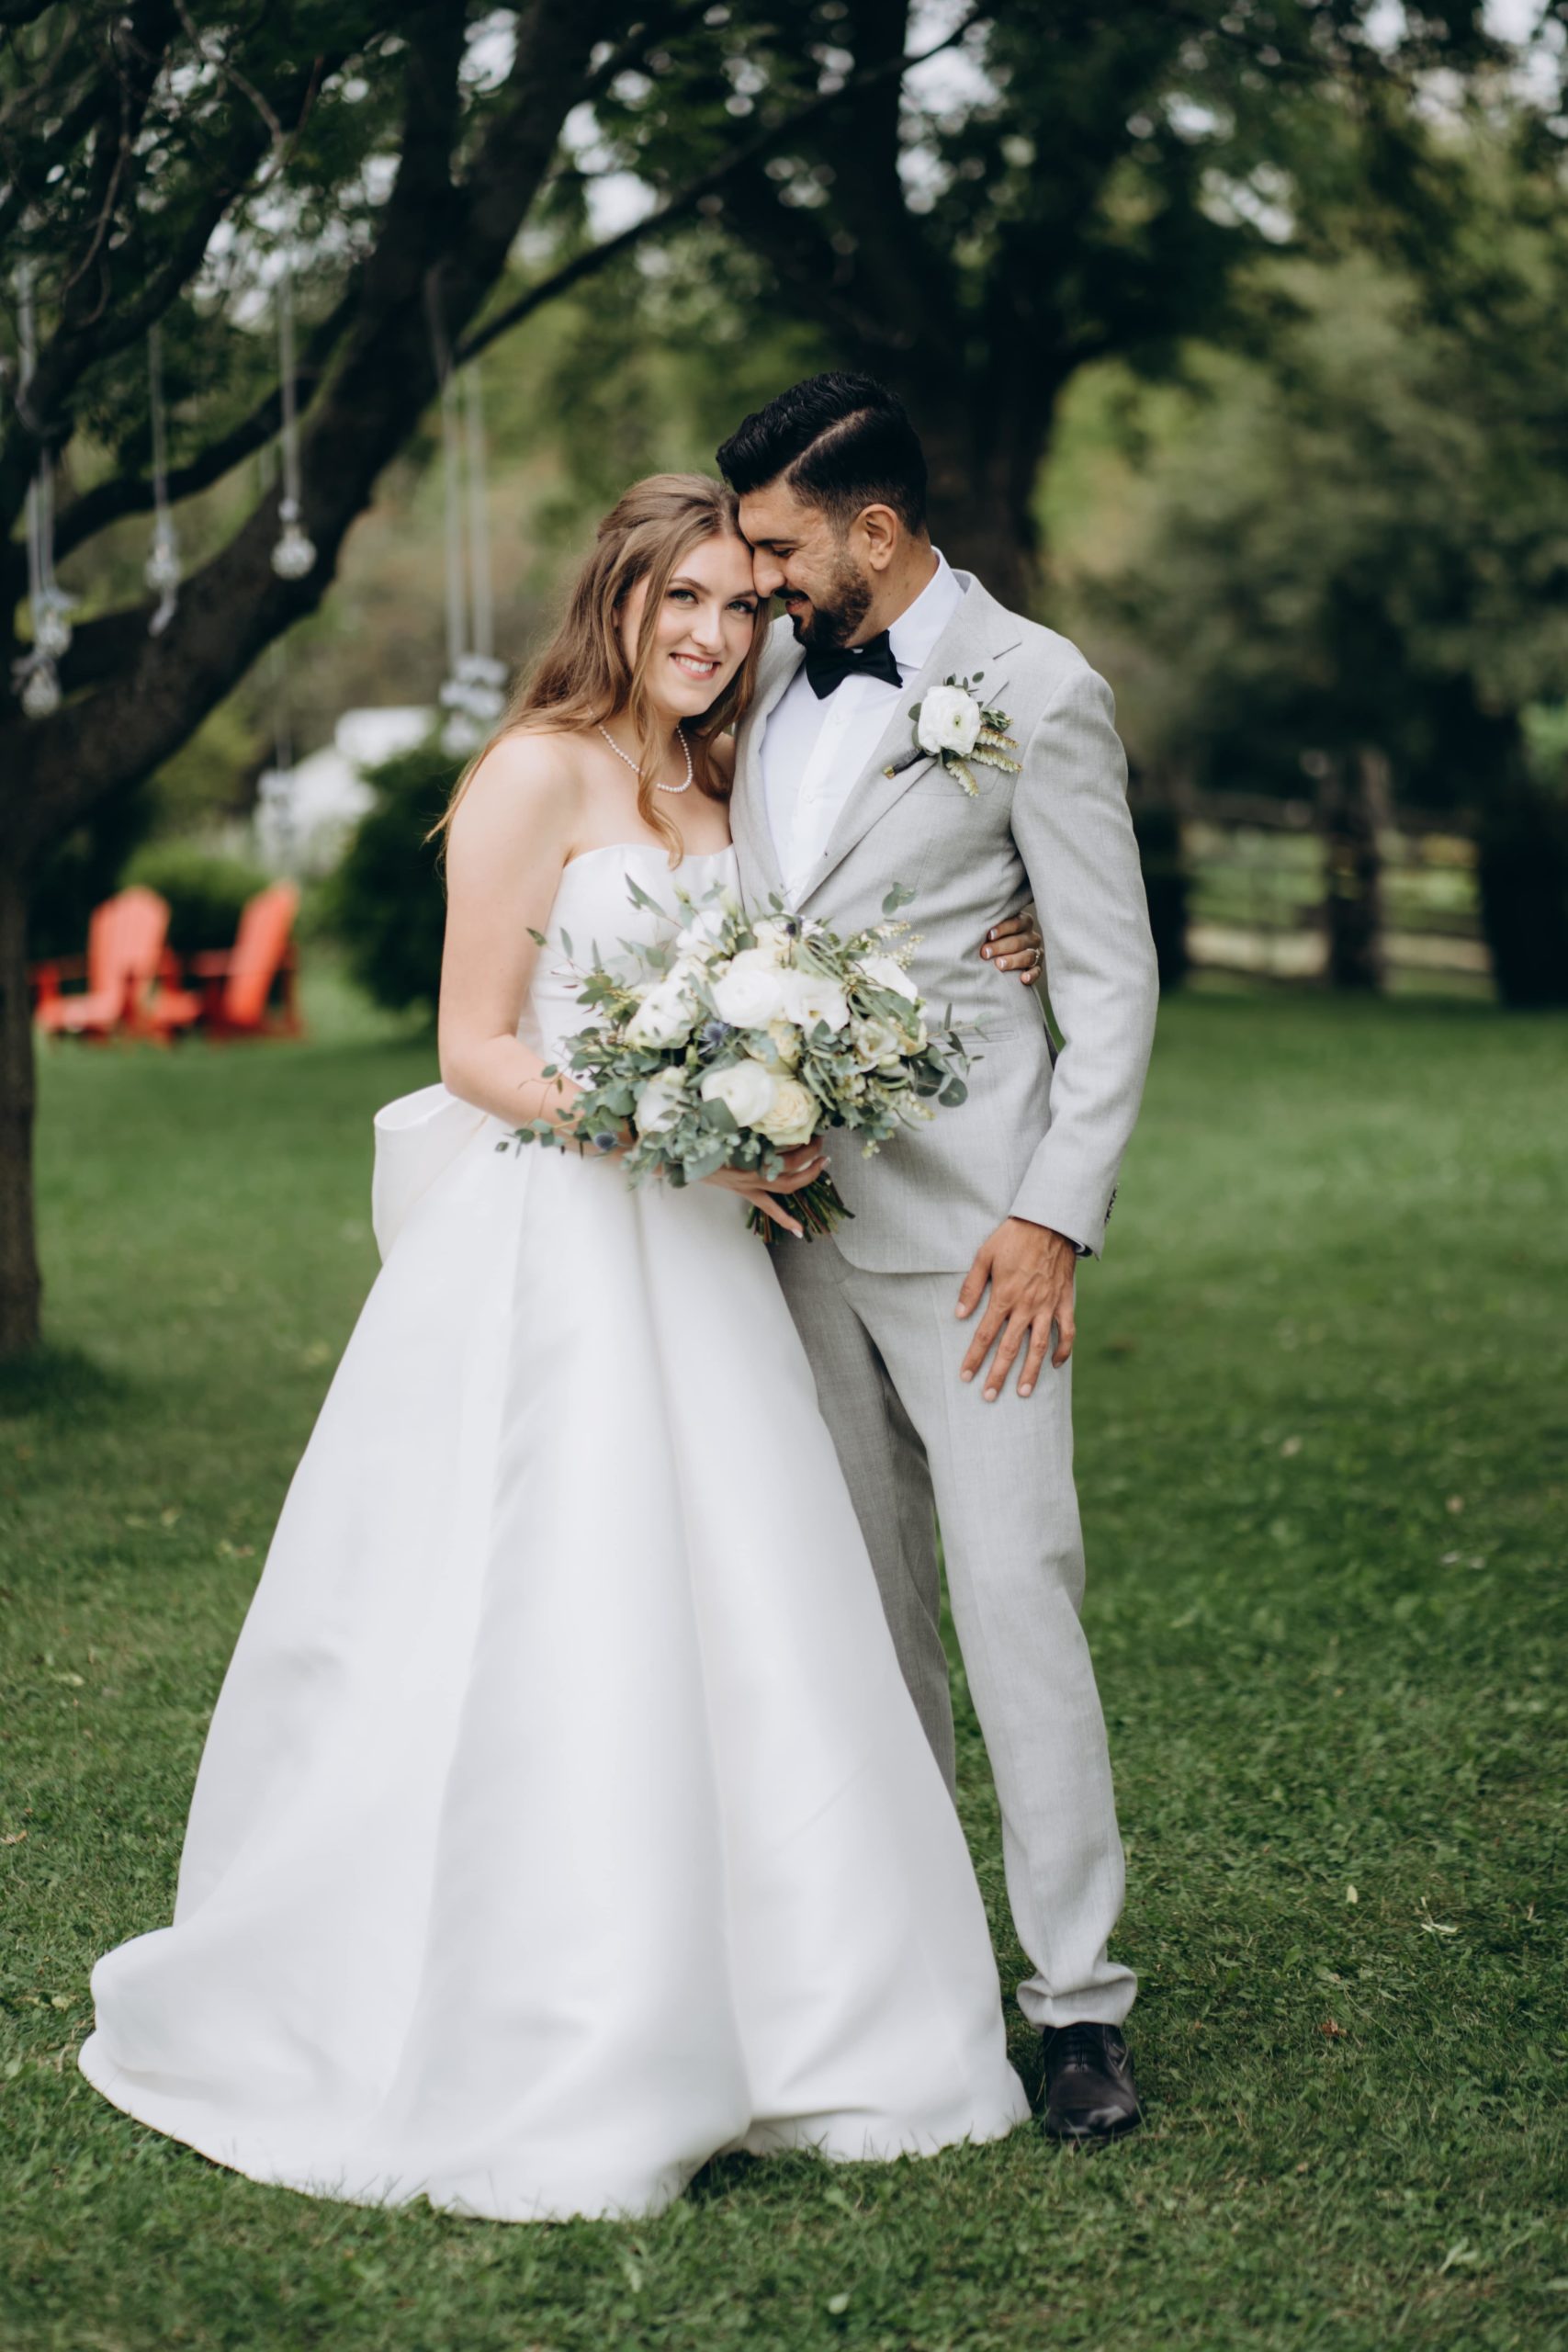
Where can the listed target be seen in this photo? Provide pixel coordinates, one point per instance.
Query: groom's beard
(834, 618)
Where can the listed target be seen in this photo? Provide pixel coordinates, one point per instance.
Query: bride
(564, 1819)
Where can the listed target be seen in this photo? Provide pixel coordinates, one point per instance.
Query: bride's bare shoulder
(527, 792)
(721, 753)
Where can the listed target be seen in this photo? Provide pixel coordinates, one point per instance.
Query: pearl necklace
(680, 736)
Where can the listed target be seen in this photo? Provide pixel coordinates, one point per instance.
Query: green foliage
(386, 902)
(1167, 887)
(84, 868)
(206, 891)
(1318, 1395)
(1522, 870)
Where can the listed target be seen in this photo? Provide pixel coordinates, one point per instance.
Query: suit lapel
(749, 806)
(979, 633)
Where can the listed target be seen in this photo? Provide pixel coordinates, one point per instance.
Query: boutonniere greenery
(954, 725)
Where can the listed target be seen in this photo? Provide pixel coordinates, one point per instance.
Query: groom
(939, 1322)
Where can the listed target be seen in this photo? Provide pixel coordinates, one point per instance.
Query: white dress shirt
(815, 749)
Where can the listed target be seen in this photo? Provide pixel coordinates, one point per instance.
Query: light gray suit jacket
(1031, 1141)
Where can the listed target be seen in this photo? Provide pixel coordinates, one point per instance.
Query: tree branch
(54, 771)
(127, 493)
(687, 199)
(83, 340)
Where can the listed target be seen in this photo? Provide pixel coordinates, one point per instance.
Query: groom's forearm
(1075, 835)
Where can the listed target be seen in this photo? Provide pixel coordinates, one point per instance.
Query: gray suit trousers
(886, 1351)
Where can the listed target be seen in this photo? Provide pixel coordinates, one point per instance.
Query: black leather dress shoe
(1089, 2090)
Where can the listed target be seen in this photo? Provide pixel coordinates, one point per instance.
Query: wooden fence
(1255, 907)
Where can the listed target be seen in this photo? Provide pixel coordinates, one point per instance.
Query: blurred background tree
(1343, 557)
(1060, 184)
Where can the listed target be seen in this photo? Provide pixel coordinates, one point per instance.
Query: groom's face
(798, 556)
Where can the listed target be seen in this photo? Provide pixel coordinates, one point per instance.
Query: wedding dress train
(563, 1818)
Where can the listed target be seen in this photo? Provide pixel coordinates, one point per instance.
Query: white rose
(786, 1042)
(752, 992)
(886, 972)
(793, 1116)
(659, 1103)
(948, 721)
(814, 998)
(665, 1016)
(877, 1042)
(746, 1090)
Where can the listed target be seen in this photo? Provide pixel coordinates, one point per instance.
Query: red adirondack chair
(237, 982)
(124, 951)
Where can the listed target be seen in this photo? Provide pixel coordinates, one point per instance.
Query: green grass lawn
(1323, 1457)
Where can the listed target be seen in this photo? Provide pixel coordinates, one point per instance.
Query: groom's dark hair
(840, 442)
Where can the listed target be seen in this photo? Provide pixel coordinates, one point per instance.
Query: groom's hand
(1029, 1269)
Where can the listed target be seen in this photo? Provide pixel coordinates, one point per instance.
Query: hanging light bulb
(294, 555)
(472, 694)
(41, 690)
(35, 678)
(51, 630)
(161, 569)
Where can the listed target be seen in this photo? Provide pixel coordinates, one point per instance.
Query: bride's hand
(1014, 944)
(800, 1166)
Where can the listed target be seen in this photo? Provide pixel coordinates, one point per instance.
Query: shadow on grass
(61, 1384)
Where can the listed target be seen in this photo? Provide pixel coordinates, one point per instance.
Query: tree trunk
(1352, 801)
(983, 474)
(21, 1287)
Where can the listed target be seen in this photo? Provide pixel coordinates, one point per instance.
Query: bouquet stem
(818, 1205)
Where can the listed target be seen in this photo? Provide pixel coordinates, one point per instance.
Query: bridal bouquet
(733, 1041)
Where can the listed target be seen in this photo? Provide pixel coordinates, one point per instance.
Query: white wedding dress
(563, 1819)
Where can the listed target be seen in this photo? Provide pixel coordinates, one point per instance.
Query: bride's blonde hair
(583, 676)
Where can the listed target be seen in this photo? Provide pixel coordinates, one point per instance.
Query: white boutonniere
(955, 727)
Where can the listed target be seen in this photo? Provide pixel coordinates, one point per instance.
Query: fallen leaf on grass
(13, 1838)
(1334, 2029)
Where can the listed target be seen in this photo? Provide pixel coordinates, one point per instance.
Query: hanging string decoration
(276, 790)
(35, 676)
(161, 569)
(294, 554)
(472, 693)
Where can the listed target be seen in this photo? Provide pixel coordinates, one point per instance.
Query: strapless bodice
(594, 919)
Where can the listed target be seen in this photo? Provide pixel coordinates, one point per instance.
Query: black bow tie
(827, 667)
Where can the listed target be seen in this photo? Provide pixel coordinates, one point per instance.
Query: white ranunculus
(815, 997)
(752, 992)
(793, 1116)
(948, 721)
(658, 1104)
(886, 972)
(746, 1090)
(665, 1017)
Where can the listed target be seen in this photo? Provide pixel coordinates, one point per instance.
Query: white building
(305, 814)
